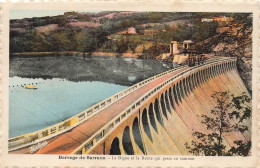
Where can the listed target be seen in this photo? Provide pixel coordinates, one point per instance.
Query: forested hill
(104, 31)
(138, 34)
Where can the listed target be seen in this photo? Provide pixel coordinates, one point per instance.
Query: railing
(106, 129)
(54, 130)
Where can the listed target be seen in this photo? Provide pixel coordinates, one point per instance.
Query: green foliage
(132, 46)
(242, 149)
(90, 41)
(156, 50)
(31, 41)
(60, 41)
(122, 45)
(197, 32)
(155, 16)
(227, 116)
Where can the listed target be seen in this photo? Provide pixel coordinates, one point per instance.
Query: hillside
(143, 35)
(103, 31)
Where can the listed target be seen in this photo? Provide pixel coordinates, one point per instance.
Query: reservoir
(53, 101)
(67, 86)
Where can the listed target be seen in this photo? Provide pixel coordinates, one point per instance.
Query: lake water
(53, 101)
(64, 86)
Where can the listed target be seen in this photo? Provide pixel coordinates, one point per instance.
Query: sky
(20, 14)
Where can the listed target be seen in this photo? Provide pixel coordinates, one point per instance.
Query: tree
(87, 43)
(228, 116)
(122, 45)
(60, 41)
(90, 41)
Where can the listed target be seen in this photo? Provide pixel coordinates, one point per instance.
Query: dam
(156, 116)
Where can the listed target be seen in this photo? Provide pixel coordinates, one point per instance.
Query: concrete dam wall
(166, 120)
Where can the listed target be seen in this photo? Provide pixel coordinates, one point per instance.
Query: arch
(146, 124)
(163, 106)
(127, 143)
(157, 111)
(205, 74)
(184, 86)
(198, 78)
(178, 91)
(137, 135)
(214, 70)
(175, 94)
(201, 77)
(171, 98)
(167, 102)
(208, 73)
(152, 118)
(195, 79)
(181, 89)
(211, 72)
(115, 149)
(187, 84)
(227, 66)
(190, 83)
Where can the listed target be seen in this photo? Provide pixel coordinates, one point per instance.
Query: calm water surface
(68, 89)
(53, 101)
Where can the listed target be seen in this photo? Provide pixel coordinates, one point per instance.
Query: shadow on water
(117, 70)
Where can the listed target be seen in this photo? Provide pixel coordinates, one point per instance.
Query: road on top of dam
(69, 141)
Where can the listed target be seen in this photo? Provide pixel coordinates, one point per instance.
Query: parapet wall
(165, 121)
